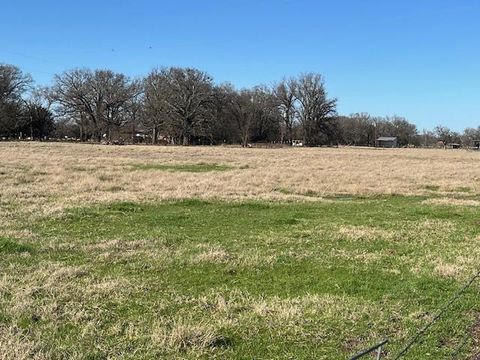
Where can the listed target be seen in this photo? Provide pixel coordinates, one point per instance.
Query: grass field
(210, 252)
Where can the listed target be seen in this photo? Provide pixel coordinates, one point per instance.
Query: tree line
(185, 106)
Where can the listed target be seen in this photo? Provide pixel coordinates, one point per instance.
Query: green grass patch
(194, 168)
(431, 187)
(10, 246)
(256, 280)
(77, 168)
(115, 188)
(105, 177)
(463, 189)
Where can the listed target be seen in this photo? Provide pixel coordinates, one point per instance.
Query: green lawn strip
(293, 283)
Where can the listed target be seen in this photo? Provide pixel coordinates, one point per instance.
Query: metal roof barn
(387, 141)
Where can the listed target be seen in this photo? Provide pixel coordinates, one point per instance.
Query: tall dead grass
(43, 178)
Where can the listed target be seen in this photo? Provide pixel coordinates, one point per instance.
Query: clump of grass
(447, 270)
(8, 246)
(213, 254)
(193, 168)
(464, 189)
(16, 344)
(431, 187)
(39, 173)
(105, 177)
(115, 188)
(310, 193)
(340, 197)
(284, 191)
(77, 168)
(23, 179)
(363, 233)
(185, 336)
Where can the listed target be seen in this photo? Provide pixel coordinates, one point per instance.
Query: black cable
(420, 333)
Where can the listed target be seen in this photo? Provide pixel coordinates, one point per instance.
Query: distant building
(476, 144)
(440, 144)
(453, 146)
(387, 141)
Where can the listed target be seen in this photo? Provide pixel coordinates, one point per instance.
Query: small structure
(476, 144)
(440, 144)
(387, 141)
(453, 146)
(297, 143)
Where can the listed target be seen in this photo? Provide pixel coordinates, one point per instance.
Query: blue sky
(419, 59)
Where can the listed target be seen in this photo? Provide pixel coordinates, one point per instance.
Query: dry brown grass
(364, 233)
(452, 202)
(44, 179)
(215, 254)
(47, 177)
(185, 335)
(15, 345)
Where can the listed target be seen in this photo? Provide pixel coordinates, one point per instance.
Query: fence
(378, 348)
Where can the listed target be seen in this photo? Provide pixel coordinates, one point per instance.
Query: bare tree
(72, 95)
(357, 129)
(13, 84)
(222, 128)
(316, 111)
(266, 115)
(443, 134)
(134, 106)
(38, 121)
(285, 93)
(180, 101)
(154, 114)
(403, 130)
(116, 90)
(101, 95)
(243, 113)
(471, 137)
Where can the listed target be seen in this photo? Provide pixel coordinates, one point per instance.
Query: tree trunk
(245, 140)
(133, 131)
(98, 133)
(289, 134)
(154, 135)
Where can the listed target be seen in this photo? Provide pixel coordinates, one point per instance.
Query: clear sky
(415, 58)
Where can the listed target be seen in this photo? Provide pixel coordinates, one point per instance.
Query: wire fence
(421, 333)
(374, 349)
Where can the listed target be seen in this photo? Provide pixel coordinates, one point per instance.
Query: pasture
(141, 252)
